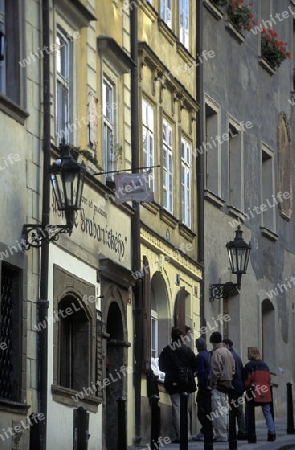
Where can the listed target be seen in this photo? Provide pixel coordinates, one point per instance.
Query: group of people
(222, 370)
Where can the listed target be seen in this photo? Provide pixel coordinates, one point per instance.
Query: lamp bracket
(218, 291)
(34, 235)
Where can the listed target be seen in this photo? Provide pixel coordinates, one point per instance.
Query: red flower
(254, 22)
(263, 31)
(288, 54)
(267, 38)
(249, 27)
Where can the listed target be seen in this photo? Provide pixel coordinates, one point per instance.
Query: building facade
(169, 226)
(248, 153)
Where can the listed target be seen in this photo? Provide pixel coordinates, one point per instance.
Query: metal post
(183, 421)
(208, 424)
(271, 403)
(290, 414)
(232, 436)
(81, 426)
(35, 431)
(251, 415)
(155, 421)
(122, 437)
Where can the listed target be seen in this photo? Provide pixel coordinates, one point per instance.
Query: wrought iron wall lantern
(67, 179)
(238, 253)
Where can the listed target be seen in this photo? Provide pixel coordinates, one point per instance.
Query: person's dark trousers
(200, 399)
(239, 413)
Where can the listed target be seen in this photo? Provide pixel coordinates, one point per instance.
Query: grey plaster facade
(244, 171)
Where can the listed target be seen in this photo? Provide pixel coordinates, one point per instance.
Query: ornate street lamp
(238, 254)
(67, 179)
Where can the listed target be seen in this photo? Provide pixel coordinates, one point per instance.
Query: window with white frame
(10, 60)
(64, 63)
(166, 12)
(186, 182)
(167, 167)
(148, 137)
(184, 22)
(109, 150)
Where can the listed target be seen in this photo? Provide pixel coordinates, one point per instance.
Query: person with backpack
(178, 361)
(202, 374)
(257, 373)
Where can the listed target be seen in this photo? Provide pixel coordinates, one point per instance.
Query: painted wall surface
(60, 417)
(240, 87)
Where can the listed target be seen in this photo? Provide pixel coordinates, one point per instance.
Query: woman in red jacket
(258, 373)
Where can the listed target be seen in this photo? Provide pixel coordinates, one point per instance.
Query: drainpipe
(43, 304)
(135, 226)
(200, 158)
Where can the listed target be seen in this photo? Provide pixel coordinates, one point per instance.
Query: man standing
(258, 373)
(179, 364)
(202, 374)
(239, 385)
(220, 380)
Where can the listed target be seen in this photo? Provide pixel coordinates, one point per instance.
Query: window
(74, 345)
(154, 334)
(212, 148)
(148, 137)
(235, 177)
(266, 10)
(184, 22)
(10, 75)
(64, 56)
(186, 182)
(109, 148)
(167, 167)
(268, 211)
(166, 12)
(10, 372)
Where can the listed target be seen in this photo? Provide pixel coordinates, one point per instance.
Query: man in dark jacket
(202, 374)
(178, 362)
(238, 383)
(257, 372)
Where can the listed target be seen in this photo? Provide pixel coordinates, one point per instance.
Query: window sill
(213, 9)
(185, 54)
(186, 232)
(266, 66)
(13, 110)
(168, 218)
(166, 32)
(64, 396)
(234, 212)
(213, 198)
(13, 407)
(149, 10)
(153, 207)
(271, 235)
(234, 31)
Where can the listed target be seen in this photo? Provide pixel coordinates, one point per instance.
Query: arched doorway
(115, 361)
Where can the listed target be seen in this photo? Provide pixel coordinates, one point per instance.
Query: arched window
(74, 344)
